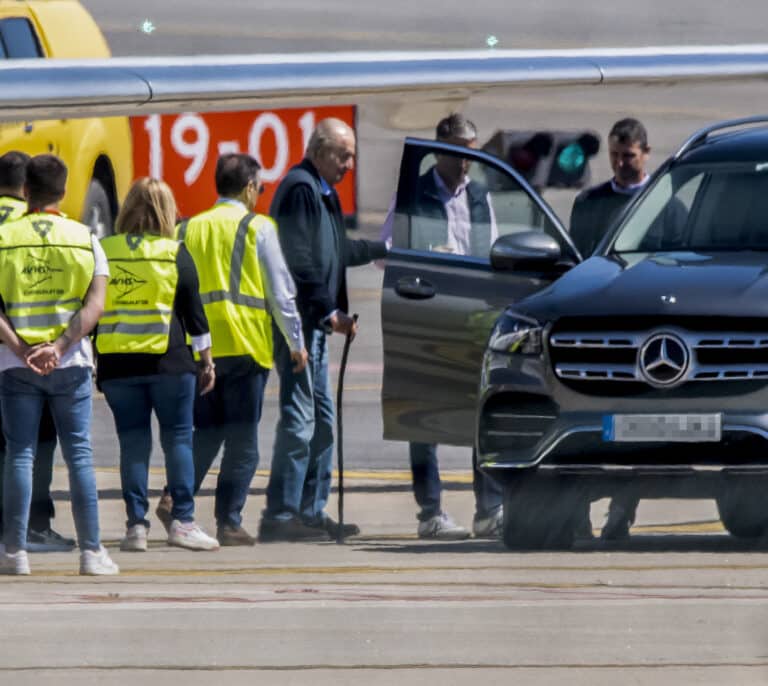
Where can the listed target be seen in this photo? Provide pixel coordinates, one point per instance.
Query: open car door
(441, 295)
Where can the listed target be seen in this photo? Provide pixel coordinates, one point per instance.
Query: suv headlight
(516, 334)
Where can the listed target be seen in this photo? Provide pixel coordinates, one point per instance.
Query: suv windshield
(691, 207)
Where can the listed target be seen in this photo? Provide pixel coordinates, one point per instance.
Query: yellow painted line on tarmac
(714, 526)
(401, 476)
(343, 570)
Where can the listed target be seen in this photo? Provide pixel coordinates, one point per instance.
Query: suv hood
(733, 284)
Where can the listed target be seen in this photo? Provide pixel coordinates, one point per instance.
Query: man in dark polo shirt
(596, 208)
(594, 212)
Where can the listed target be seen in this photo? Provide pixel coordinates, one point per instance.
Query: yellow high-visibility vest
(222, 242)
(140, 293)
(46, 267)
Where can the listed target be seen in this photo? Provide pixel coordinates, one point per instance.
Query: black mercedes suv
(646, 366)
(643, 368)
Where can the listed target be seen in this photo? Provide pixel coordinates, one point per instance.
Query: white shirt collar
(447, 191)
(231, 201)
(629, 190)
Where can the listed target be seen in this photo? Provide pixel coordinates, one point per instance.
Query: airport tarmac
(678, 603)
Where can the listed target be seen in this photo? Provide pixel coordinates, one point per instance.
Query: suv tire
(97, 210)
(742, 509)
(540, 513)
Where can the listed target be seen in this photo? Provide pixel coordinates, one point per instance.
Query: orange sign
(182, 149)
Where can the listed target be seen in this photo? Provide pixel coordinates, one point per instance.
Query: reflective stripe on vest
(46, 267)
(222, 243)
(140, 293)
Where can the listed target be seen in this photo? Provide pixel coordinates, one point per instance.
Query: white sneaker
(135, 539)
(97, 563)
(489, 527)
(189, 535)
(442, 528)
(14, 563)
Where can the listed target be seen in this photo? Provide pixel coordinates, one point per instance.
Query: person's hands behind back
(42, 358)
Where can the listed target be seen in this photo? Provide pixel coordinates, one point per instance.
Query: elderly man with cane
(311, 229)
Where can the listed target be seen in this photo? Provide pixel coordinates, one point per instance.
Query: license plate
(680, 428)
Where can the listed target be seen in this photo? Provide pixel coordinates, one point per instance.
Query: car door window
(19, 40)
(459, 204)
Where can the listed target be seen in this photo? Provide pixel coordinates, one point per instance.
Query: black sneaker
(48, 541)
(289, 531)
(332, 527)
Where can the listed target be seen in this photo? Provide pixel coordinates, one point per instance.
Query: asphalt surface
(679, 603)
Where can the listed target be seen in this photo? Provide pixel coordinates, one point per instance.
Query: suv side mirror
(525, 250)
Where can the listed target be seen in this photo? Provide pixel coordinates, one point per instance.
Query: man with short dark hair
(308, 212)
(595, 209)
(40, 536)
(245, 287)
(453, 214)
(593, 214)
(53, 277)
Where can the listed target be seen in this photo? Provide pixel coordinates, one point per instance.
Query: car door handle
(415, 288)
(28, 126)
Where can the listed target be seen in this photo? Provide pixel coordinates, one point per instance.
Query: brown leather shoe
(231, 536)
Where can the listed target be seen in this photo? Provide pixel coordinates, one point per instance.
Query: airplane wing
(46, 89)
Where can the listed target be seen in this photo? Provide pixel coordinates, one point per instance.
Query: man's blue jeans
(132, 400)
(230, 415)
(68, 392)
(41, 511)
(302, 460)
(427, 487)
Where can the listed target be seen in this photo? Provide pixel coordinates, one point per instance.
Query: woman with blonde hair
(144, 362)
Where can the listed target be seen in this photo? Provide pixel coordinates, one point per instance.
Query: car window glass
(731, 213)
(644, 215)
(688, 190)
(19, 39)
(466, 215)
(722, 208)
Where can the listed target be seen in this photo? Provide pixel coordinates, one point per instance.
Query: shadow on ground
(653, 543)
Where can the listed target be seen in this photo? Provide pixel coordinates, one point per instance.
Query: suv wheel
(742, 509)
(97, 210)
(540, 513)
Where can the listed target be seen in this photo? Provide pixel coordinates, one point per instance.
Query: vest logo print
(38, 271)
(126, 282)
(42, 227)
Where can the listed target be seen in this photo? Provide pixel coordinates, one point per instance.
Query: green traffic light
(571, 159)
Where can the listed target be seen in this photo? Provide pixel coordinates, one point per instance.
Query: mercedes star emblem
(664, 359)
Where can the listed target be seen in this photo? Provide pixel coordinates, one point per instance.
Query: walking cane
(340, 433)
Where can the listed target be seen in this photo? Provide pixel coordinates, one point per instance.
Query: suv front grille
(614, 355)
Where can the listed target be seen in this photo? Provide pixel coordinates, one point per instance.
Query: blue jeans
(230, 415)
(300, 479)
(41, 510)
(132, 400)
(427, 487)
(68, 393)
